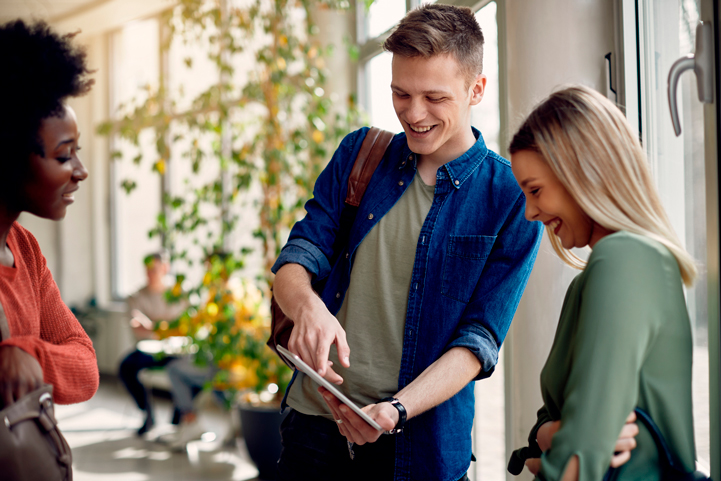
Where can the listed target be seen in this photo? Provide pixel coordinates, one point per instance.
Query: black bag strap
(663, 449)
(671, 470)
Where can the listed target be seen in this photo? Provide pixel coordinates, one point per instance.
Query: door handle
(702, 63)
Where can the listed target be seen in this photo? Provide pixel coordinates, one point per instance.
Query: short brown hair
(435, 29)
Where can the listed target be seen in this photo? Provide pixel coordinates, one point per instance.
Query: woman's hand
(21, 373)
(545, 434)
(533, 465)
(625, 443)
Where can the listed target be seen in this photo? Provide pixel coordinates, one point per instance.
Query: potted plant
(258, 136)
(229, 327)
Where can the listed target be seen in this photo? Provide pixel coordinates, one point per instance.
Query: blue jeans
(185, 380)
(314, 450)
(128, 373)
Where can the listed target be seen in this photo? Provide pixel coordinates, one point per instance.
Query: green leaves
(128, 185)
(257, 136)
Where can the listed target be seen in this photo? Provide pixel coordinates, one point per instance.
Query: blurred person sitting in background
(39, 173)
(147, 307)
(186, 380)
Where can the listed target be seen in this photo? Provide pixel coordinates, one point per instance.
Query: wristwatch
(401, 413)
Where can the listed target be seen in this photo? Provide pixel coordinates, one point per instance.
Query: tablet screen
(305, 368)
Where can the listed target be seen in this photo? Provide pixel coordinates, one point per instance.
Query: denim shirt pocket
(465, 258)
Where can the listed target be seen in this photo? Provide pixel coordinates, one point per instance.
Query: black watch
(401, 414)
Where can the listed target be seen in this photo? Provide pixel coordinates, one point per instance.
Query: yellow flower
(159, 166)
(317, 136)
(212, 309)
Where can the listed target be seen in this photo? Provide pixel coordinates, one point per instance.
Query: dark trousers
(129, 369)
(314, 450)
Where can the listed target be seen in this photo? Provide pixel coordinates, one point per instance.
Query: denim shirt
(474, 254)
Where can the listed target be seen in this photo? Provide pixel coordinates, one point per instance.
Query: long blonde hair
(593, 151)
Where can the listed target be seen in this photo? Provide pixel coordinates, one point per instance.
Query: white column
(337, 28)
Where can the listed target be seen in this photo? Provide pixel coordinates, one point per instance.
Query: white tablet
(303, 367)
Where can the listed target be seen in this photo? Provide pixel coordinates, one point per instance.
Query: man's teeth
(421, 129)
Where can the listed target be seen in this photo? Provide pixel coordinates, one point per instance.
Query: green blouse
(623, 340)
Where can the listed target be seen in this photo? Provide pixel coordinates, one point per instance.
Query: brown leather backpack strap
(4, 329)
(371, 152)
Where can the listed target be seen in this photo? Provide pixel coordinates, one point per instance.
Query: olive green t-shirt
(373, 312)
(623, 341)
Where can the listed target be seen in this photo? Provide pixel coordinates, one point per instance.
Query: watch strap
(402, 413)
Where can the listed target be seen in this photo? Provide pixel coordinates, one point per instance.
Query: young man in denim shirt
(417, 305)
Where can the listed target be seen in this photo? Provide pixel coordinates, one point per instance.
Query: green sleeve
(543, 417)
(617, 321)
(519, 456)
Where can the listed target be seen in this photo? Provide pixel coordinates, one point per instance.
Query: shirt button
(337, 296)
(457, 182)
(410, 157)
(347, 255)
(400, 183)
(370, 216)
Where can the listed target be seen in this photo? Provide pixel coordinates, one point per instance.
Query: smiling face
(433, 104)
(52, 178)
(548, 201)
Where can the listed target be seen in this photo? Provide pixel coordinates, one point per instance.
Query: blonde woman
(624, 338)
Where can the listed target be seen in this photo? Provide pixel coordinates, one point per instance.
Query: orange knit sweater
(42, 325)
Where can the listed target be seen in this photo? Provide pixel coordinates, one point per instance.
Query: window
(135, 65)
(376, 72)
(666, 33)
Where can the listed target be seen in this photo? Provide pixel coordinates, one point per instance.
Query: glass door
(686, 173)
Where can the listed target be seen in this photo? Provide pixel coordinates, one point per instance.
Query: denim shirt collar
(459, 169)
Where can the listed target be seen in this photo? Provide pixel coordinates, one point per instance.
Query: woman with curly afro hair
(39, 173)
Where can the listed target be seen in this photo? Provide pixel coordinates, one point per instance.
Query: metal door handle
(702, 63)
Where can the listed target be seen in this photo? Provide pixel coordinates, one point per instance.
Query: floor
(101, 433)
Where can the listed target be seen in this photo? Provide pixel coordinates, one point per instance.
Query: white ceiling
(90, 16)
(46, 9)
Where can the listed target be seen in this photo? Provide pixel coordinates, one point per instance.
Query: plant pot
(261, 430)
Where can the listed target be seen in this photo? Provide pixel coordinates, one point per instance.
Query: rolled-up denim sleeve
(310, 242)
(489, 313)
(305, 253)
